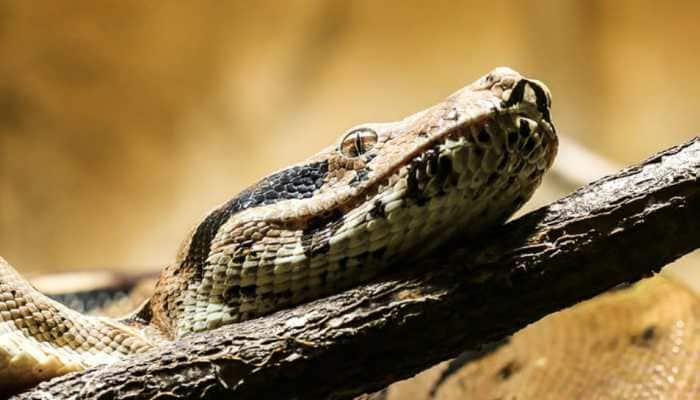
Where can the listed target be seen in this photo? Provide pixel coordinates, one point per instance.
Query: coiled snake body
(385, 191)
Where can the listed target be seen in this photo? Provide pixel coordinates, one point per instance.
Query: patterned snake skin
(386, 191)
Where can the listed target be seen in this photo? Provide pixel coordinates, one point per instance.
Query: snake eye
(357, 142)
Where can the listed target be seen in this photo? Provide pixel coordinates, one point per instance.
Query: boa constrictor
(386, 191)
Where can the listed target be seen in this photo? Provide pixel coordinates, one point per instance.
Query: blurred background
(122, 123)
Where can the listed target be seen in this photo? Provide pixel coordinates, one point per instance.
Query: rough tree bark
(616, 230)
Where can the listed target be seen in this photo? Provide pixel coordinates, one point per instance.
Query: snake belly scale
(384, 192)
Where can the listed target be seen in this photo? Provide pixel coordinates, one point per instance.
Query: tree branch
(618, 229)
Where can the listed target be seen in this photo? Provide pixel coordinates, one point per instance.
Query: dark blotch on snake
(492, 178)
(315, 224)
(315, 238)
(379, 253)
(508, 370)
(444, 169)
(518, 167)
(503, 163)
(298, 182)
(413, 190)
(524, 130)
(512, 138)
(377, 210)
(320, 248)
(232, 295)
(239, 258)
(248, 291)
(646, 338)
(465, 358)
(483, 136)
(431, 161)
(363, 174)
(360, 176)
(529, 145)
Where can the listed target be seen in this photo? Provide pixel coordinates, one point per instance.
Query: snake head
(382, 192)
(514, 89)
(502, 113)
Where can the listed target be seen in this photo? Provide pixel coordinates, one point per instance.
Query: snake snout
(527, 94)
(515, 90)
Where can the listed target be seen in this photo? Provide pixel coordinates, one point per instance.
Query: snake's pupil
(359, 146)
(358, 142)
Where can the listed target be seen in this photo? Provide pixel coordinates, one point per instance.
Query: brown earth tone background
(123, 122)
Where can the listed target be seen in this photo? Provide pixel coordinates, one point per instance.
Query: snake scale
(386, 191)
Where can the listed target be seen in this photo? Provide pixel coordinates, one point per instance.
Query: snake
(383, 193)
(638, 342)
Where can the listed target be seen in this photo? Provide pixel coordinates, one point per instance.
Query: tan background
(123, 122)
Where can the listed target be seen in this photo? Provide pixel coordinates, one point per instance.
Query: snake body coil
(386, 191)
